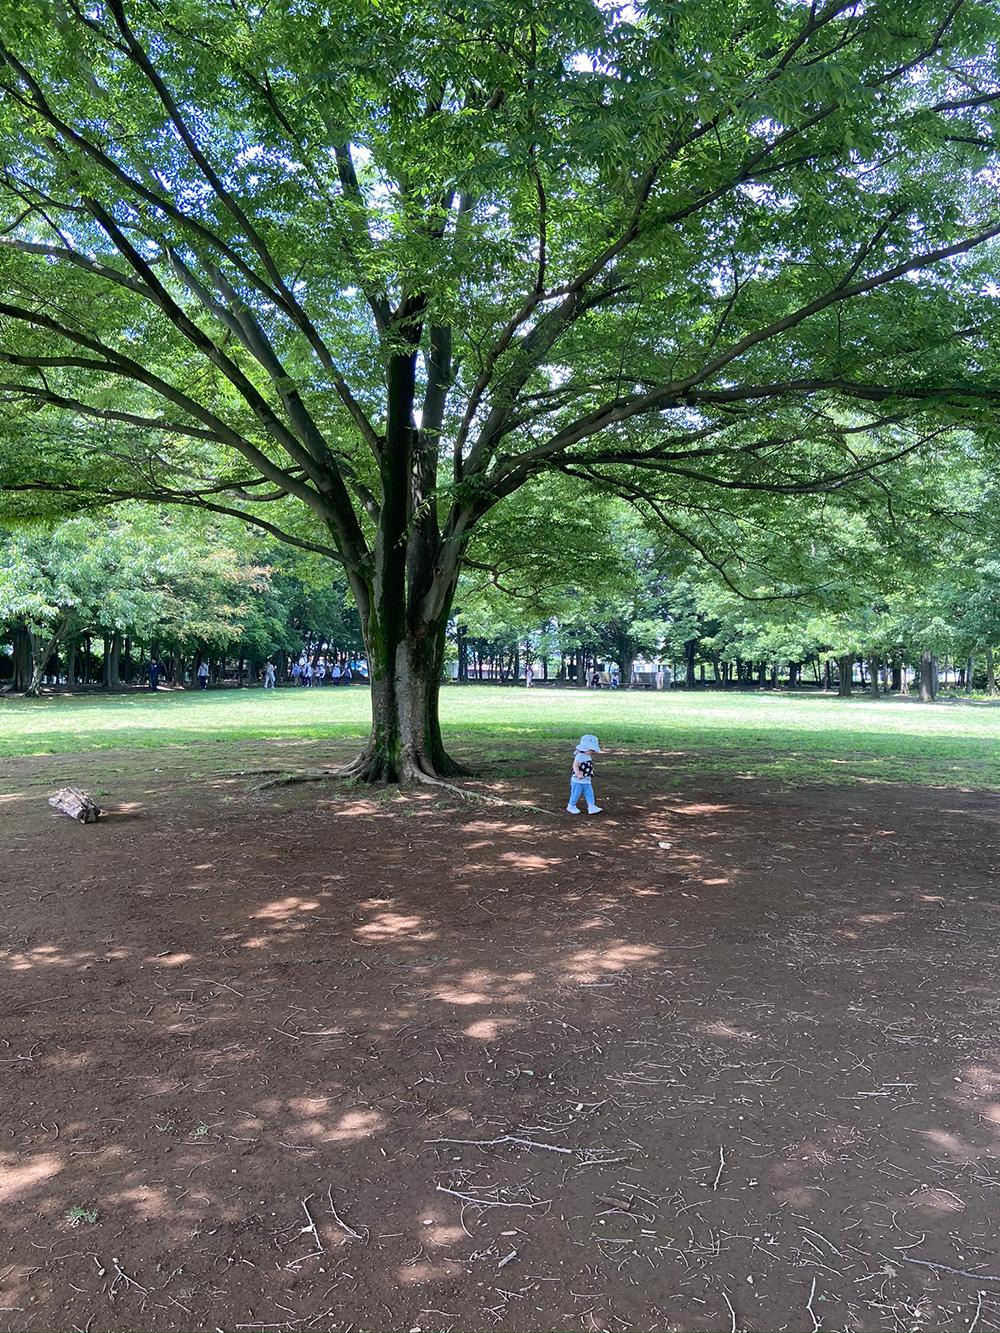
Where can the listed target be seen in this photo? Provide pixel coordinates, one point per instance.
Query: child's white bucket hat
(589, 742)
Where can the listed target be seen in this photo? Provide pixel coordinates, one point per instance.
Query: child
(581, 783)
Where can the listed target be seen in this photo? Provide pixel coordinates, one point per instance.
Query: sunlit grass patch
(788, 738)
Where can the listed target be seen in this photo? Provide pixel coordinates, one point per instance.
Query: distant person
(296, 674)
(319, 674)
(616, 678)
(582, 777)
(153, 672)
(595, 680)
(347, 675)
(203, 674)
(307, 674)
(529, 676)
(336, 675)
(269, 674)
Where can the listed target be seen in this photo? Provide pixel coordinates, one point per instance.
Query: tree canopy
(360, 273)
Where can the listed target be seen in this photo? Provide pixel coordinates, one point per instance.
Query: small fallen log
(77, 804)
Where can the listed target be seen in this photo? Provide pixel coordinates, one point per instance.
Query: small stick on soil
(129, 1281)
(489, 1203)
(505, 1138)
(311, 1227)
(338, 1219)
(227, 987)
(979, 1309)
(722, 1167)
(732, 1312)
(809, 1307)
(944, 1268)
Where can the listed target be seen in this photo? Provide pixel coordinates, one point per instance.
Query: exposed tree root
(284, 778)
(425, 779)
(361, 770)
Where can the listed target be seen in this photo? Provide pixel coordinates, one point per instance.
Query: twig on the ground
(221, 983)
(979, 1309)
(809, 1307)
(722, 1167)
(339, 1220)
(311, 1226)
(732, 1312)
(819, 1235)
(945, 1268)
(489, 1203)
(124, 1277)
(504, 1138)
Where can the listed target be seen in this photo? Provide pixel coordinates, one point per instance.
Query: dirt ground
(317, 1060)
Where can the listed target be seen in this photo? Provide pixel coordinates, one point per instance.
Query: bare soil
(318, 1059)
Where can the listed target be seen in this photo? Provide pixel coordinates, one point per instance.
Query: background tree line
(870, 589)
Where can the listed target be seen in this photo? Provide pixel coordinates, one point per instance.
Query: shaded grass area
(795, 739)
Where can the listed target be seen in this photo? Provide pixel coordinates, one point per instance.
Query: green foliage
(396, 283)
(664, 243)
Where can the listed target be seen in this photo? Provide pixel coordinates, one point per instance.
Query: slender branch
(53, 399)
(686, 392)
(74, 257)
(192, 500)
(148, 69)
(116, 363)
(351, 187)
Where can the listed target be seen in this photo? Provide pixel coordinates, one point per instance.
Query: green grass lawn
(796, 739)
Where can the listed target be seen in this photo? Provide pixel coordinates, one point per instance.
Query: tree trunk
(110, 679)
(22, 658)
(896, 676)
(991, 673)
(405, 742)
(928, 677)
(845, 671)
(41, 651)
(873, 668)
(690, 649)
(969, 671)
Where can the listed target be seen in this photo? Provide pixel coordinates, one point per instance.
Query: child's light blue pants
(578, 789)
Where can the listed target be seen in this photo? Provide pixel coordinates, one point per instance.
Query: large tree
(361, 271)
